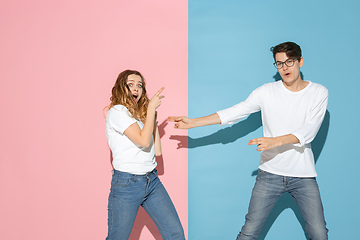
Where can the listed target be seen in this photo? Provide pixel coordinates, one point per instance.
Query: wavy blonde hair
(121, 94)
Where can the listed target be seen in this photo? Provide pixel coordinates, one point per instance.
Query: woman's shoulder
(118, 109)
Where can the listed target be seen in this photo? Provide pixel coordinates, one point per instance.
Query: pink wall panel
(59, 60)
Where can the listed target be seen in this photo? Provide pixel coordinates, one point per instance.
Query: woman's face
(135, 85)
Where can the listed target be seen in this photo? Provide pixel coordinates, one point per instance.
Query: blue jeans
(268, 189)
(128, 193)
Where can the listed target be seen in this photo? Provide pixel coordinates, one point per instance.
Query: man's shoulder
(318, 87)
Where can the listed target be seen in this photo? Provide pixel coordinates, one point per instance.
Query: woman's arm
(142, 137)
(157, 141)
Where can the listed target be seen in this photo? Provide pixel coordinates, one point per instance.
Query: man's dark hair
(291, 49)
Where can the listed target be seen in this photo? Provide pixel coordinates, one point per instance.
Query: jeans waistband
(126, 174)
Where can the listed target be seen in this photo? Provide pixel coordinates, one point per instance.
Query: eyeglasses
(289, 63)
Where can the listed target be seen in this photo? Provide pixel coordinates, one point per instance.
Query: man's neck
(296, 86)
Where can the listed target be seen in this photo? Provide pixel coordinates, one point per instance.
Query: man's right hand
(181, 122)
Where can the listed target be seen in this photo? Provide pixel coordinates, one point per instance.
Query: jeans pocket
(262, 175)
(119, 182)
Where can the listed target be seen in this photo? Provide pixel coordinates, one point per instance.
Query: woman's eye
(139, 86)
(130, 84)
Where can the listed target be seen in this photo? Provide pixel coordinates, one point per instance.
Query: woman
(134, 140)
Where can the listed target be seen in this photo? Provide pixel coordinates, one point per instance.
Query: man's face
(291, 74)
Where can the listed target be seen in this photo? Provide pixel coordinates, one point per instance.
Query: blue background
(229, 56)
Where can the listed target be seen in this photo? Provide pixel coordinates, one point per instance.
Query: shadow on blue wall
(241, 129)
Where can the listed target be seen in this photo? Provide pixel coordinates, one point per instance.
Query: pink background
(59, 61)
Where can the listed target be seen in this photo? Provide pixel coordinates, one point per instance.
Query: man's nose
(284, 67)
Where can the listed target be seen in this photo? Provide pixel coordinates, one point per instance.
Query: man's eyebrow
(285, 60)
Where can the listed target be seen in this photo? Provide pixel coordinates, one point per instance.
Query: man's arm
(183, 122)
(308, 131)
(265, 143)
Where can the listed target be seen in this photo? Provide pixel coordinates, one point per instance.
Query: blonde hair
(121, 94)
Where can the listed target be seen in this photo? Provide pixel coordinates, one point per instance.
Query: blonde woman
(134, 140)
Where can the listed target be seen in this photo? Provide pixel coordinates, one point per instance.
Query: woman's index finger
(161, 89)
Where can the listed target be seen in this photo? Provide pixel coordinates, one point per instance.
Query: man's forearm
(207, 120)
(287, 139)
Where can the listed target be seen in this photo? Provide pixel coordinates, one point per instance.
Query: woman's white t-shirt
(127, 155)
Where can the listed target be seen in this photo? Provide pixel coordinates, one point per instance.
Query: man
(292, 112)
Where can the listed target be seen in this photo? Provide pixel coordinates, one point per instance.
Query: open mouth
(287, 74)
(135, 96)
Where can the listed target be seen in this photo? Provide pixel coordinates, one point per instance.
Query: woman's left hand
(155, 101)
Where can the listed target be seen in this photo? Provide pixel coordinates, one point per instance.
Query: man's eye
(289, 61)
(279, 63)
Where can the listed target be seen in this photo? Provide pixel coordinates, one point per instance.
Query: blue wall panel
(229, 57)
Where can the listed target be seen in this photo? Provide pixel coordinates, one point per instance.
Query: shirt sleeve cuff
(222, 117)
(301, 139)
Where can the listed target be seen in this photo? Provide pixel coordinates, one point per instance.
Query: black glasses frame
(276, 65)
